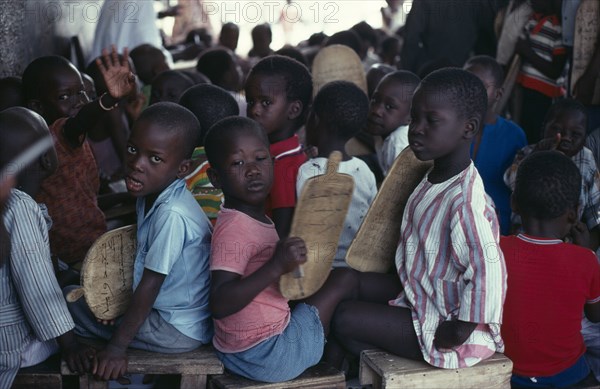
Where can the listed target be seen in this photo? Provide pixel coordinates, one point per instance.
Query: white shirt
(365, 189)
(391, 147)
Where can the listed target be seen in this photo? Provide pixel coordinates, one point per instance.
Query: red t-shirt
(549, 282)
(288, 156)
(71, 197)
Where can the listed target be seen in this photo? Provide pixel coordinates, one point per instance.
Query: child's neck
(333, 145)
(449, 166)
(282, 134)
(548, 229)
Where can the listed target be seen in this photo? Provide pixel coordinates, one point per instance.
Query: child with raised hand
(169, 311)
(209, 103)
(550, 282)
(53, 88)
(256, 334)
(449, 262)
(338, 113)
(495, 146)
(278, 92)
(35, 320)
(389, 115)
(565, 131)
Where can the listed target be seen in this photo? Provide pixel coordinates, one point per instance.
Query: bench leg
(87, 381)
(368, 376)
(193, 381)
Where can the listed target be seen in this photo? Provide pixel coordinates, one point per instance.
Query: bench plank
(384, 370)
(320, 376)
(45, 375)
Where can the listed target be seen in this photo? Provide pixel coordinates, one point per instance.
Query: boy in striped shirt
(450, 267)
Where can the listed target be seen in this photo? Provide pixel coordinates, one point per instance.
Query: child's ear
(499, 93)
(36, 106)
(295, 109)
(572, 218)
(471, 127)
(213, 176)
(184, 168)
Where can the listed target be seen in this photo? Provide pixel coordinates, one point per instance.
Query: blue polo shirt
(174, 240)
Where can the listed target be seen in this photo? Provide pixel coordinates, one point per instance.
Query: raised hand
(549, 143)
(118, 77)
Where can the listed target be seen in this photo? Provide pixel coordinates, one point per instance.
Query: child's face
(267, 102)
(245, 171)
(489, 83)
(64, 96)
(389, 109)
(154, 159)
(571, 125)
(167, 89)
(435, 130)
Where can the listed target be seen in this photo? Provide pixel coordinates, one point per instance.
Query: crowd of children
(497, 241)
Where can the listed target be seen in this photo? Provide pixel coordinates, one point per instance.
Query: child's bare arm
(120, 82)
(111, 362)
(77, 356)
(551, 69)
(229, 292)
(452, 333)
(592, 312)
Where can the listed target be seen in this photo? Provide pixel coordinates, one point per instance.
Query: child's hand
(78, 357)
(110, 363)
(452, 333)
(134, 105)
(289, 254)
(119, 79)
(106, 322)
(580, 235)
(549, 143)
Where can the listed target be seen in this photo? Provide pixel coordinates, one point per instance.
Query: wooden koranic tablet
(107, 273)
(374, 247)
(319, 220)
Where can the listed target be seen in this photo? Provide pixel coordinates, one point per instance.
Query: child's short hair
(292, 52)
(226, 129)
(210, 104)
(462, 89)
(214, 63)
(146, 58)
(260, 29)
(548, 184)
(343, 107)
(490, 64)
(34, 77)
(178, 121)
(404, 77)
(347, 38)
(298, 81)
(564, 105)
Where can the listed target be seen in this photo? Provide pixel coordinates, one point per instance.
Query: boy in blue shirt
(169, 311)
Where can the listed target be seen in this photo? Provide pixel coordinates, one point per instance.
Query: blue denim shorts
(285, 356)
(566, 378)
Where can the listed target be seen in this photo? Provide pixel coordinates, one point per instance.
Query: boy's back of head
(215, 63)
(342, 107)
(347, 38)
(461, 89)
(489, 64)
(11, 92)
(169, 86)
(223, 131)
(178, 121)
(209, 103)
(298, 81)
(548, 184)
(149, 61)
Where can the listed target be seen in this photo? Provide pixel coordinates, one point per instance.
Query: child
(256, 335)
(495, 146)
(338, 113)
(549, 282)
(209, 104)
(389, 115)
(169, 86)
(278, 93)
(221, 67)
(168, 312)
(565, 130)
(449, 264)
(261, 41)
(374, 76)
(34, 312)
(544, 58)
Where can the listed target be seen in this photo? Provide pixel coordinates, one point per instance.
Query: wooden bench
(45, 375)
(384, 370)
(321, 376)
(194, 367)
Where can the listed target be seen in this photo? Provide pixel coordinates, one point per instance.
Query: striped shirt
(589, 199)
(451, 267)
(545, 35)
(197, 182)
(32, 306)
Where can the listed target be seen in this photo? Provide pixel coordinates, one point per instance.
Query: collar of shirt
(162, 198)
(285, 147)
(538, 240)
